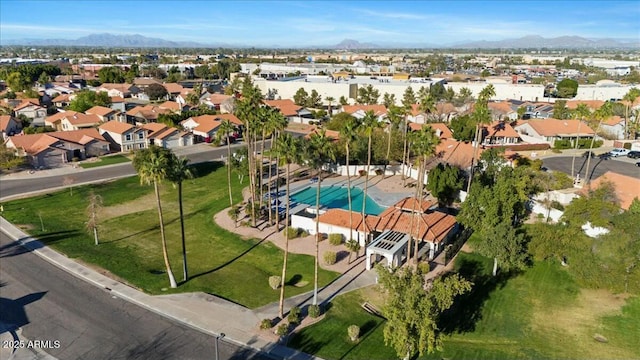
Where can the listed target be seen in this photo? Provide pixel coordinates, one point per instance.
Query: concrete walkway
(189, 308)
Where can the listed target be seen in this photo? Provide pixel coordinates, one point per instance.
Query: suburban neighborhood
(356, 201)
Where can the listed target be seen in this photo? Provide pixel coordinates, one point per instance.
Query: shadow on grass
(16, 248)
(294, 280)
(306, 343)
(466, 311)
(205, 168)
(365, 330)
(229, 262)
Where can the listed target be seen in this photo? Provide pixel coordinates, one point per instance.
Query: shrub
(330, 257)
(291, 232)
(556, 205)
(282, 329)
(362, 172)
(335, 239)
(379, 172)
(275, 281)
(303, 233)
(234, 212)
(627, 146)
(294, 315)
(266, 324)
(423, 267)
(314, 311)
(354, 332)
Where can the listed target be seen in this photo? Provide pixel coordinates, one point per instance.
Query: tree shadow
(294, 280)
(28, 244)
(205, 168)
(342, 254)
(12, 311)
(467, 308)
(306, 343)
(229, 262)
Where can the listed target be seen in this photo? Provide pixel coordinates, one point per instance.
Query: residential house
(441, 129)
(359, 111)
(56, 148)
(613, 127)
(173, 90)
(32, 110)
(54, 120)
(202, 127)
(457, 153)
(9, 126)
(118, 104)
(121, 90)
(626, 188)
(62, 100)
(143, 83)
(503, 111)
(104, 113)
(174, 106)
(332, 135)
(216, 101)
(123, 137)
(550, 130)
(146, 113)
(166, 137)
(539, 111)
(72, 120)
(499, 133)
(593, 105)
(290, 110)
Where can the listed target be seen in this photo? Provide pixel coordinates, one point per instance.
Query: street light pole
(218, 337)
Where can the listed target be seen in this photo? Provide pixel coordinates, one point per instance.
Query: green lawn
(106, 160)
(220, 262)
(539, 314)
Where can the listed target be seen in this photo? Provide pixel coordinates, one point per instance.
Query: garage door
(172, 143)
(52, 158)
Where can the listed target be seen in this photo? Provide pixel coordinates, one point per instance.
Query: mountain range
(526, 42)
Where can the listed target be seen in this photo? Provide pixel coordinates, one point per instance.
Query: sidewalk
(189, 308)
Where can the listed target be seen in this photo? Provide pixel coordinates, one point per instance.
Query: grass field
(220, 262)
(539, 314)
(106, 160)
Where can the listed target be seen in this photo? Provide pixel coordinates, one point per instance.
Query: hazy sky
(298, 23)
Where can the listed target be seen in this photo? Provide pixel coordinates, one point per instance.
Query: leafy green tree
(301, 97)
(634, 208)
(481, 116)
(179, 171)
(156, 91)
(314, 100)
(44, 78)
(202, 71)
(567, 88)
(153, 165)
(86, 99)
(560, 110)
(412, 312)
(337, 121)
(319, 150)
(598, 207)
(445, 181)
(395, 115)
(368, 95)
(463, 128)
(111, 74)
(17, 81)
(8, 158)
(388, 100)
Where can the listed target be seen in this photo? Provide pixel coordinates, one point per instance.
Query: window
(140, 135)
(128, 137)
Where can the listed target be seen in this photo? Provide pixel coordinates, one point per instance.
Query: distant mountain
(111, 40)
(536, 41)
(349, 44)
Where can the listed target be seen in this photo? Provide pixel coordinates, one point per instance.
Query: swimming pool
(336, 197)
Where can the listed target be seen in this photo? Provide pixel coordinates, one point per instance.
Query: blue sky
(300, 23)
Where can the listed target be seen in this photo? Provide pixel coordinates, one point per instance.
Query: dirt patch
(145, 202)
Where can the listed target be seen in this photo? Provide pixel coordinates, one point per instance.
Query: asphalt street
(598, 166)
(87, 322)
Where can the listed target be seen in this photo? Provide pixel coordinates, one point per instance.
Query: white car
(619, 152)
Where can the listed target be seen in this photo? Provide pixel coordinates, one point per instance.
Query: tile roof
(377, 109)
(232, 118)
(82, 119)
(4, 122)
(112, 86)
(59, 116)
(173, 88)
(614, 120)
(171, 105)
(62, 98)
(554, 127)
(100, 110)
(331, 134)
(627, 188)
(500, 129)
(441, 129)
(36, 143)
(218, 99)
(592, 104)
(148, 112)
(81, 136)
(206, 123)
(116, 127)
(27, 103)
(153, 127)
(286, 106)
(117, 99)
(501, 106)
(145, 81)
(456, 153)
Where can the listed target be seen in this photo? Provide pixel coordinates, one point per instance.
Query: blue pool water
(336, 197)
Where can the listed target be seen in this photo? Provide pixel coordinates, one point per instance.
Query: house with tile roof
(146, 113)
(613, 127)
(121, 90)
(550, 130)
(626, 188)
(62, 100)
(123, 137)
(503, 111)
(75, 121)
(103, 113)
(499, 133)
(33, 110)
(54, 149)
(174, 106)
(216, 101)
(457, 153)
(359, 111)
(9, 126)
(204, 127)
(118, 104)
(291, 111)
(441, 129)
(166, 137)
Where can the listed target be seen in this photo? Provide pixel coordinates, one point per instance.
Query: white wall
(538, 208)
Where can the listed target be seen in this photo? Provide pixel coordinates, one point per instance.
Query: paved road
(48, 303)
(10, 187)
(598, 166)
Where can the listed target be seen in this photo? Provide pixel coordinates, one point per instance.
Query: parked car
(633, 154)
(638, 164)
(619, 152)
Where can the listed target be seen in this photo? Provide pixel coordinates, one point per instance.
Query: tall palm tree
(395, 116)
(349, 134)
(179, 171)
(287, 149)
(428, 105)
(582, 111)
(482, 116)
(152, 165)
(630, 97)
(369, 124)
(604, 112)
(274, 123)
(319, 150)
(424, 145)
(330, 100)
(225, 130)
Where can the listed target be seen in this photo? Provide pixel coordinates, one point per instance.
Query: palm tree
(178, 173)
(349, 134)
(275, 123)
(287, 149)
(330, 99)
(225, 130)
(581, 111)
(319, 149)
(395, 116)
(630, 97)
(428, 105)
(482, 116)
(424, 145)
(369, 124)
(152, 165)
(604, 112)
